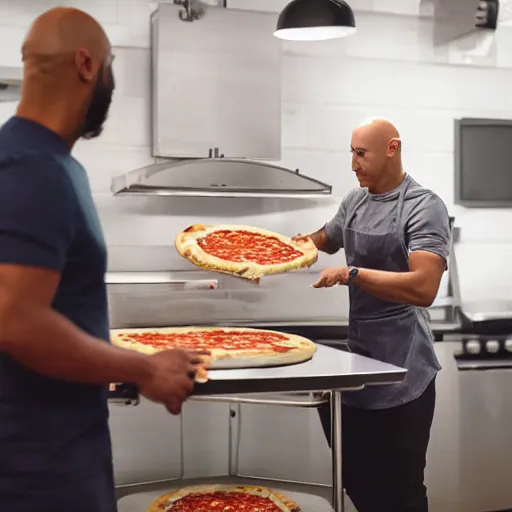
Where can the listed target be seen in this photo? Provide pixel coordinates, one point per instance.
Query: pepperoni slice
(224, 502)
(239, 246)
(212, 339)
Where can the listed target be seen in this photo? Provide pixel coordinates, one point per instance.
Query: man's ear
(84, 65)
(395, 145)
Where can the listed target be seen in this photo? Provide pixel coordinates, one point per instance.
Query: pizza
(224, 498)
(229, 347)
(244, 251)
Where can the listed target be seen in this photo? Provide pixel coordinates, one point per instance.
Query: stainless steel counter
(328, 369)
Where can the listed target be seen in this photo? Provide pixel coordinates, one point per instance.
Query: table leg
(337, 480)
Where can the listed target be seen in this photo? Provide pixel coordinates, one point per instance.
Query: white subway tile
(104, 162)
(128, 122)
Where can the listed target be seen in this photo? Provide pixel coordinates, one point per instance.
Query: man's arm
(428, 233)
(418, 287)
(33, 334)
(322, 242)
(329, 239)
(37, 227)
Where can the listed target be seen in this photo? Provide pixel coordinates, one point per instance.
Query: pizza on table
(224, 498)
(229, 347)
(244, 251)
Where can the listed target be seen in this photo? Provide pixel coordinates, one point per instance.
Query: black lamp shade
(310, 20)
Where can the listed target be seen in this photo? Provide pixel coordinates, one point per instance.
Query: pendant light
(315, 20)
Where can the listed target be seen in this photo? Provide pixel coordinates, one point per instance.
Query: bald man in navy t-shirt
(55, 355)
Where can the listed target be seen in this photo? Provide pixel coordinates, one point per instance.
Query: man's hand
(171, 380)
(301, 238)
(319, 239)
(306, 240)
(331, 277)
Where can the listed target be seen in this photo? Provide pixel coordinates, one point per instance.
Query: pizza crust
(164, 503)
(302, 348)
(187, 245)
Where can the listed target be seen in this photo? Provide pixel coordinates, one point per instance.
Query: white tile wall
(388, 68)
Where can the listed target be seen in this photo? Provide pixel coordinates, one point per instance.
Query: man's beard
(98, 108)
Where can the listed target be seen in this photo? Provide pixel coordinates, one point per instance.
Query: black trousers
(384, 454)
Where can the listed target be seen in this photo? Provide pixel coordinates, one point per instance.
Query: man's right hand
(301, 238)
(171, 380)
(319, 239)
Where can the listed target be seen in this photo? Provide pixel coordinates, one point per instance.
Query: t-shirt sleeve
(334, 228)
(428, 228)
(37, 213)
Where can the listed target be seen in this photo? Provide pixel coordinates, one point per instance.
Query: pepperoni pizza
(230, 347)
(244, 251)
(220, 498)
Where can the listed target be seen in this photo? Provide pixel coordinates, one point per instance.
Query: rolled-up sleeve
(37, 213)
(428, 227)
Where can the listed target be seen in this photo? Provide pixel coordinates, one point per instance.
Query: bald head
(376, 149)
(377, 129)
(67, 57)
(58, 35)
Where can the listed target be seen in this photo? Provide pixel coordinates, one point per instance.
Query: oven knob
(473, 347)
(492, 346)
(508, 345)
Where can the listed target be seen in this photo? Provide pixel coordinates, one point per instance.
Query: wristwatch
(352, 274)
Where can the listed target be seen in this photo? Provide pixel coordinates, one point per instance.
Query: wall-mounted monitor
(483, 163)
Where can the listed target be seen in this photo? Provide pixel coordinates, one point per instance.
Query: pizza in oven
(230, 347)
(224, 498)
(244, 251)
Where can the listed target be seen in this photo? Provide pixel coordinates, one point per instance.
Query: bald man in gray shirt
(396, 236)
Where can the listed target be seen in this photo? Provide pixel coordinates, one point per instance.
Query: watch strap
(352, 273)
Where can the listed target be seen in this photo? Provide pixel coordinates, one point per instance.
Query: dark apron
(398, 334)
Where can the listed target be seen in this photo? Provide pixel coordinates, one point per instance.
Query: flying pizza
(221, 498)
(244, 251)
(230, 347)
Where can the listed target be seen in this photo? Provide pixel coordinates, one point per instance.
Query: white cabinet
(216, 84)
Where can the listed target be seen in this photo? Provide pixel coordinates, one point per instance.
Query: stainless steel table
(327, 375)
(330, 370)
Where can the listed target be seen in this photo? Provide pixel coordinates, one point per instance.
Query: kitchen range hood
(216, 109)
(227, 177)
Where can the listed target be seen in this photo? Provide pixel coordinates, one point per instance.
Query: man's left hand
(331, 277)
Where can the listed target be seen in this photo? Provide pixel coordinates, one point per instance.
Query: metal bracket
(189, 13)
(317, 400)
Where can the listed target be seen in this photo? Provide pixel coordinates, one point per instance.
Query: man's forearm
(401, 287)
(322, 242)
(48, 343)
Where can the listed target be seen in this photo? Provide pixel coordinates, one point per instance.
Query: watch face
(353, 272)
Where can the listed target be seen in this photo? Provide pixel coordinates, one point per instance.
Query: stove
(485, 352)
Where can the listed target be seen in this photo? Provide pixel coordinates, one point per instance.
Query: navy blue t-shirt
(51, 429)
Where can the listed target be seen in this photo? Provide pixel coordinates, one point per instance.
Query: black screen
(485, 172)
